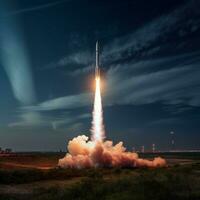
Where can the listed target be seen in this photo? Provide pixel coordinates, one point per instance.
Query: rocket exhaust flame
(84, 153)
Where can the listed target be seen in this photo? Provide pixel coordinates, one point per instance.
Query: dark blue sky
(150, 62)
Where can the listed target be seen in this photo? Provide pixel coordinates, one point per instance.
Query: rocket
(97, 70)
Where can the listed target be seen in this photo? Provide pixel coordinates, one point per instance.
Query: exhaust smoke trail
(97, 130)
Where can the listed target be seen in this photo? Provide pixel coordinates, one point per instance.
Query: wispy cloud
(66, 102)
(160, 29)
(79, 58)
(168, 86)
(36, 8)
(29, 119)
(82, 71)
(66, 120)
(16, 63)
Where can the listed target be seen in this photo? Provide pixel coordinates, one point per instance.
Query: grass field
(35, 177)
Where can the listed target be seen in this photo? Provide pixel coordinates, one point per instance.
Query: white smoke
(98, 132)
(83, 153)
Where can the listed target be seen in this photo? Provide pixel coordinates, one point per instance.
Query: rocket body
(97, 71)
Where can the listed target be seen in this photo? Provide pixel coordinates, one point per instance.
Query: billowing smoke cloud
(83, 153)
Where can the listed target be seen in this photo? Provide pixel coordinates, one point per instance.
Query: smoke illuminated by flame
(83, 153)
(97, 130)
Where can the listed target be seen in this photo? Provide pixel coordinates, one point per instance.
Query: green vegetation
(30, 175)
(180, 182)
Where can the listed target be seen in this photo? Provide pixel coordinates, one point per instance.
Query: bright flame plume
(98, 132)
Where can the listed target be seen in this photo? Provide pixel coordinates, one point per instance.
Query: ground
(36, 177)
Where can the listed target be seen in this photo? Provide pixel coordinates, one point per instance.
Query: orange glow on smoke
(97, 130)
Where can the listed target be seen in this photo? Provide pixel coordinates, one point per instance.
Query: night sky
(150, 67)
